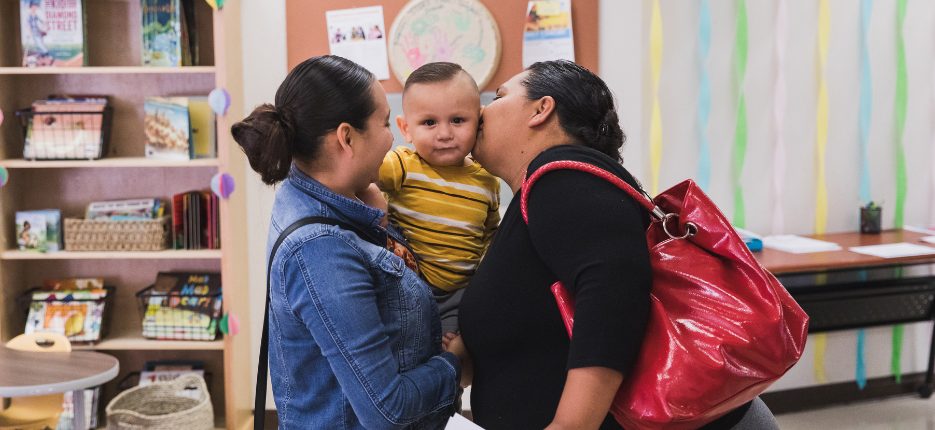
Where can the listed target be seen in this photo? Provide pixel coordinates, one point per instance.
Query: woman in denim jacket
(355, 339)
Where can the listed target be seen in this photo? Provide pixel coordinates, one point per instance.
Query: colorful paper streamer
(896, 358)
(821, 137)
(902, 90)
(704, 96)
(219, 100)
(779, 117)
(222, 185)
(820, 342)
(216, 4)
(4, 176)
(866, 102)
(655, 133)
(230, 324)
(740, 131)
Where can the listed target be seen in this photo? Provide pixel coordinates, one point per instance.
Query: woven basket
(160, 406)
(91, 235)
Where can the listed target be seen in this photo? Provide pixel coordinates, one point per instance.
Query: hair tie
(602, 129)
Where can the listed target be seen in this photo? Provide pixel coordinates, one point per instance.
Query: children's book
(183, 305)
(167, 127)
(39, 230)
(162, 33)
(66, 128)
(203, 128)
(52, 33)
(77, 314)
(124, 210)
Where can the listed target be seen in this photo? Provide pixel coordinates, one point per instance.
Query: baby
(446, 204)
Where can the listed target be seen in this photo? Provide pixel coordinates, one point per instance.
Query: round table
(28, 373)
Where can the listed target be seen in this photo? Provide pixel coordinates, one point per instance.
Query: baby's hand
(447, 338)
(373, 197)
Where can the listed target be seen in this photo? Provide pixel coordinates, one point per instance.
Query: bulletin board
(306, 34)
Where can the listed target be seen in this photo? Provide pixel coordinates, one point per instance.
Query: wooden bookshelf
(113, 69)
(181, 254)
(141, 162)
(100, 70)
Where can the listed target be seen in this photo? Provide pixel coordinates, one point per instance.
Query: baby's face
(440, 119)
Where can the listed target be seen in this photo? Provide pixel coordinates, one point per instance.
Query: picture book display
(167, 128)
(195, 220)
(39, 230)
(66, 127)
(182, 306)
(52, 33)
(170, 37)
(64, 307)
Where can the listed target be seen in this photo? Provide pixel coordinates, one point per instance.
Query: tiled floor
(902, 413)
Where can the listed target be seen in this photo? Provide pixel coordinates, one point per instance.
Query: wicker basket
(91, 235)
(180, 404)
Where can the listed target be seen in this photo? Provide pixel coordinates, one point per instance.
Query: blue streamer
(861, 373)
(866, 101)
(704, 96)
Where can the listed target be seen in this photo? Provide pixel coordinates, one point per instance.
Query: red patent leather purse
(721, 328)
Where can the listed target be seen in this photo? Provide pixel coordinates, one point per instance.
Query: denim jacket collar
(352, 210)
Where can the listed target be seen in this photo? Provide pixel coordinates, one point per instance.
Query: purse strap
(641, 198)
(259, 405)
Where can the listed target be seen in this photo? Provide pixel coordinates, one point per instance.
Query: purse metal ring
(690, 228)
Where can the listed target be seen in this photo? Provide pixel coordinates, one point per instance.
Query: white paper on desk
(929, 239)
(798, 244)
(359, 35)
(894, 250)
(458, 422)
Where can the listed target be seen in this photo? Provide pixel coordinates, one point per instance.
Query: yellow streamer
(820, 341)
(821, 197)
(655, 143)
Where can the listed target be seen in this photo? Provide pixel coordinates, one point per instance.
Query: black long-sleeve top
(586, 233)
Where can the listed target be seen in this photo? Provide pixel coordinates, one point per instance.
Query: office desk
(29, 373)
(843, 290)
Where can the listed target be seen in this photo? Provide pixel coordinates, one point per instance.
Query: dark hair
(430, 73)
(315, 98)
(584, 104)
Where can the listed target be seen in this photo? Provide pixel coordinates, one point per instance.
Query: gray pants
(758, 417)
(448, 303)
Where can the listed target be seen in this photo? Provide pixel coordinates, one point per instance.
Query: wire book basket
(63, 135)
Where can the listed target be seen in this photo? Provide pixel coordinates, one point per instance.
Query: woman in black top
(582, 231)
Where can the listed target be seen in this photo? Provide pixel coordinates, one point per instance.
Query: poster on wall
(359, 35)
(459, 31)
(547, 33)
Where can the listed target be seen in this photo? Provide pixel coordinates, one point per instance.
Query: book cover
(204, 142)
(162, 33)
(134, 209)
(52, 33)
(39, 230)
(167, 127)
(77, 314)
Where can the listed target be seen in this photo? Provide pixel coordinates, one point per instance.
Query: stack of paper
(798, 244)
(929, 239)
(894, 250)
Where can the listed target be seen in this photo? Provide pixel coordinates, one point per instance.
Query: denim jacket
(355, 339)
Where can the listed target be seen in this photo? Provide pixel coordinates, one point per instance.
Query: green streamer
(740, 133)
(897, 355)
(902, 92)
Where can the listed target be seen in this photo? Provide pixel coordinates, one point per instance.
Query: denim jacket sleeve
(339, 306)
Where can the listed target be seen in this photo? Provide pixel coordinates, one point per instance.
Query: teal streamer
(704, 96)
(861, 373)
(866, 101)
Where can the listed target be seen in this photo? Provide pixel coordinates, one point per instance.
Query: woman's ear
(344, 133)
(545, 106)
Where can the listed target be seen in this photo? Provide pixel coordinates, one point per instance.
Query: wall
(623, 59)
(307, 37)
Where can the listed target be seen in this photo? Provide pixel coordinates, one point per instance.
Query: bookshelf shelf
(134, 341)
(113, 255)
(133, 162)
(103, 70)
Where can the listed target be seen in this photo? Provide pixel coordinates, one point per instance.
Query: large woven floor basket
(97, 235)
(174, 405)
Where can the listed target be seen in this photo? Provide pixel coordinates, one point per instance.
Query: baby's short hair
(430, 73)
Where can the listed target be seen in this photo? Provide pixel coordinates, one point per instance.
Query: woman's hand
(373, 197)
(452, 343)
(586, 399)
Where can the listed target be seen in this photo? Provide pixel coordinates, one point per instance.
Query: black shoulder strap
(259, 406)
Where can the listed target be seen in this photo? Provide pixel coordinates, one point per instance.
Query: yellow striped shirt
(448, 214)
